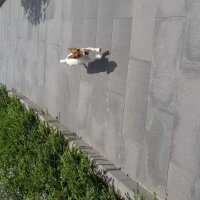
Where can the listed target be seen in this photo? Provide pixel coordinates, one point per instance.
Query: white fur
(84, 59)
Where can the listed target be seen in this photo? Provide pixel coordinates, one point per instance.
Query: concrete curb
(116, 177)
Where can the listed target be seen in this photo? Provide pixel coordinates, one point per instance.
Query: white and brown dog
(80, 56)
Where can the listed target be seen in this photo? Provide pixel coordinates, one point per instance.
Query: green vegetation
(37, 163)
(139, 196)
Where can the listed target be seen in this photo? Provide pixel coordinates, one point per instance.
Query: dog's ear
(73, 56)
(71, 49)
(70, 56)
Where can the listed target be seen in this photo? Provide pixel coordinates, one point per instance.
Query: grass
(37, 163)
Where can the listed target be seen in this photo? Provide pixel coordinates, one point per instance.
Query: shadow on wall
(1, 2)
(35, 10)
(101, 65)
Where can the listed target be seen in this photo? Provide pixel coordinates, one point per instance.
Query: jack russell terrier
(80, 56)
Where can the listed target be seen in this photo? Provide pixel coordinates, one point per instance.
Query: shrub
(37, 163)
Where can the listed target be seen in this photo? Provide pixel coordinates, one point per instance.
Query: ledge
(116, 178)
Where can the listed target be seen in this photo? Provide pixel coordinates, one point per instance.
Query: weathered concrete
(139, 104)
(175, 8)
(144, 15)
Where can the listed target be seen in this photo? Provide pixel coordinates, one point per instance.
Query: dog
(79, 56)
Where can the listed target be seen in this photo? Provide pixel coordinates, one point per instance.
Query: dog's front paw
(98, 56)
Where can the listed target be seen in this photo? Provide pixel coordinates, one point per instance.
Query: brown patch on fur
(76, 53)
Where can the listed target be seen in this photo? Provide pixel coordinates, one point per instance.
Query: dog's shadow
(101, 65)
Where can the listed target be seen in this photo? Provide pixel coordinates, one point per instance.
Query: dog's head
(76, 53)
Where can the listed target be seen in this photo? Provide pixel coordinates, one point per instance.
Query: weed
(141, 196)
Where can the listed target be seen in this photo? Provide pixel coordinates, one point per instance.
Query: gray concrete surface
(139, 105)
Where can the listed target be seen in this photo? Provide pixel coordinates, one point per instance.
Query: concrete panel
(63, 92)
(70, 117)
(58, 9)
(35, 33)
(23, 69)
(191, 50)
(120, 43)
(7, 34)
(15, 9)
(77, 32)
(7, 72)
(51, 104)
(98, 114)
(42, 29)
(136, 100)
(2, 51)
(23, 30)
(174, 8)
(53, 10)
(98, 104)
(131, 154)
(89, 35)
(1, 68)
(29, 33)
(123, 8)
(156, 150)
(40, 72)
(7, 13)
(66, 10)
(68, 83)
(105, 24)
(91, 9)
(21, 12)
(74, 82)
(29, 65)
(166, 62)
(52, 55)
(77, 9)
(89, 40)
(114, 119)
(32, 50)
(54, 28)
(51, 64)
(41, 51)
(144, 15)
(16, 72)
(72, 77)
(50, 11)
(50, 80)
(66, 37)
(34, 74)
(182, 184)
(13, 33)
(18, 28)
(186, 138)
(84, 110)
(4, 71)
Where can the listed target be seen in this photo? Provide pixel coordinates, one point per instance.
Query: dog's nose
(86, 53)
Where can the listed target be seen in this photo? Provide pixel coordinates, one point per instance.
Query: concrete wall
(138, 106)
